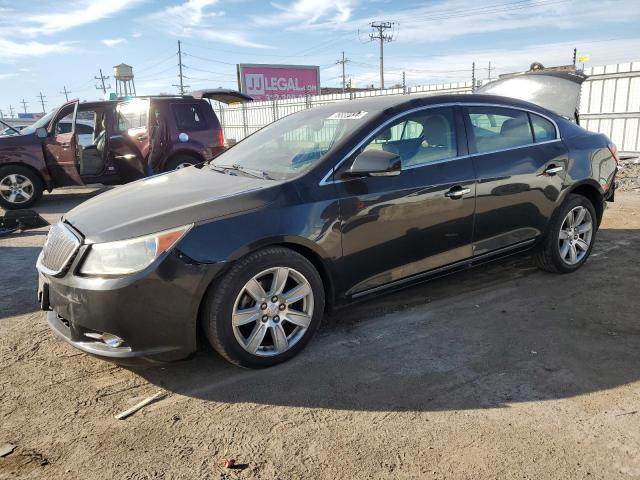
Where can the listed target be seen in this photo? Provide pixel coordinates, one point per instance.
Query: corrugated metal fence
(610, 103)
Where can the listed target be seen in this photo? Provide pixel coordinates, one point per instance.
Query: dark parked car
(109, 142)
(323, 207)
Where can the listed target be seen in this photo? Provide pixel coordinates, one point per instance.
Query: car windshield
(293, 144)
(43, 122)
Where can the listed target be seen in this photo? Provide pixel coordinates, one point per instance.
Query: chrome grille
(59, 248)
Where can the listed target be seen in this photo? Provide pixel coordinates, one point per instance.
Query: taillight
(614, 151)
(220, 138)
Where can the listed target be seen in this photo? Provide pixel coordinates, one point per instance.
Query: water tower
(125, 86)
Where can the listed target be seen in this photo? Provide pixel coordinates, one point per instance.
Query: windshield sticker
(347, 115)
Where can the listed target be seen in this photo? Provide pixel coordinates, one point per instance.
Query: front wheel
(20, 187)
(265, 309)
(570, 238)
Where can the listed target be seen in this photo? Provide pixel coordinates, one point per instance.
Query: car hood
(166, 201)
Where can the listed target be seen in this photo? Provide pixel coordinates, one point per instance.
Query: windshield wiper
(239, 168)
(14, 129)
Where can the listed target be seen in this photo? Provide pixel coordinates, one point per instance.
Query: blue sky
(48, 45)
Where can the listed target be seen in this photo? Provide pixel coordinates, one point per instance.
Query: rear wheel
(265, 309)
(181, 161)
(20, 187)
(570, 237)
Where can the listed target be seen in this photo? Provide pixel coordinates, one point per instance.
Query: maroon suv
(110, 142)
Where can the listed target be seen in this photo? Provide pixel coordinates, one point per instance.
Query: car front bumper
(153, 312)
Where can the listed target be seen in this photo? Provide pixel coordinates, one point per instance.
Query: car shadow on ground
(485, 338)
(19, 280)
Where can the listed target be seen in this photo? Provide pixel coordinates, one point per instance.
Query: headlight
(129, 256)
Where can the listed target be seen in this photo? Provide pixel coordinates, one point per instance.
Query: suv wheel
(265, 309)
(570, 238)
(181, 161)
(20, 187)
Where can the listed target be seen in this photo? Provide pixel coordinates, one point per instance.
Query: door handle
(551, 170)
(457, 192)
(141, 137)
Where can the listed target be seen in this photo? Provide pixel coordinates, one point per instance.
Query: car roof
(173, 98)
(380, 104)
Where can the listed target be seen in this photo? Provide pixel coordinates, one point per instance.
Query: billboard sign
(273, 82)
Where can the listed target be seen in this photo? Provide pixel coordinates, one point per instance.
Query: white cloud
(230, 37)
(4, 76)
(74, 14)
(302, 13)
(136, 34)
(196, 19)
(10, 50)
(447, 19)
(112, 42)
(308, 12)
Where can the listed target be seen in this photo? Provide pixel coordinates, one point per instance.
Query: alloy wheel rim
(575, 235)
(273, 311)
(16, 188)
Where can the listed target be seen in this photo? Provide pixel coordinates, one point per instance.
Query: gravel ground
(499, 372)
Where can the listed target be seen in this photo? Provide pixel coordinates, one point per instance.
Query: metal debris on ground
(20, 220)
(142, 404)
(7, 449)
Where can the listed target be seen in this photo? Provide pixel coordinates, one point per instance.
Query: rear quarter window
(189, 116)
(499, 128)
(543, 129)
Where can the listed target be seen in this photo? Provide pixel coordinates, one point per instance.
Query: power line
(102, 78)
(381, 27)
(42, 102)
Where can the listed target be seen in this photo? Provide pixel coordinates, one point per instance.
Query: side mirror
(376, 163)
(41, 133)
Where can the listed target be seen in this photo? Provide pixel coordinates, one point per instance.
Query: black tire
(175, 163)
(25, 172)
(221, 299)
(548, 257)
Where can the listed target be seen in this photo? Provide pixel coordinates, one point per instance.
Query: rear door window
(189, 116)
(497, 128)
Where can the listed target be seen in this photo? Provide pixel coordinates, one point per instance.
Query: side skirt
(447, 269)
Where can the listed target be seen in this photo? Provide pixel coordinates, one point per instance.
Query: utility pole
(1, 114)
(473, 77)
(42, 102)
(181, 86)
(344, 77)
(24, 105)
(11, 111)
(404, 83)
(381, 27)
(575, 56)
(102, 87)
(490, 68)
(66, 92)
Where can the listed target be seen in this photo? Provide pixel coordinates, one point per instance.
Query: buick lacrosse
(318, 209)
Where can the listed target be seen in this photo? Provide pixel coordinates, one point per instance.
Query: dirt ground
(501, 372)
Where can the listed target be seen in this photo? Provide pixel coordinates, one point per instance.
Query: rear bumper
(154, 312)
